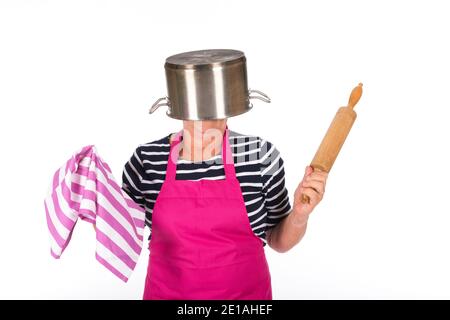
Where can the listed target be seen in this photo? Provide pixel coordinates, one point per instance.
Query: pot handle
(164, 101)
(261, 95)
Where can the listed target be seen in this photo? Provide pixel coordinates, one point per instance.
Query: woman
(213, 199)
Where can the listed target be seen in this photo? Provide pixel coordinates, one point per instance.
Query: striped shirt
(259, 169)
(85, 188)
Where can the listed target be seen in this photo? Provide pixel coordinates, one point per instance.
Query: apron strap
(173, 156)
(227, 156)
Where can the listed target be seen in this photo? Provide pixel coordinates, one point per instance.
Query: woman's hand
(312, 185)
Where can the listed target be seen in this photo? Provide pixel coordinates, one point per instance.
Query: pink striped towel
(85, 188)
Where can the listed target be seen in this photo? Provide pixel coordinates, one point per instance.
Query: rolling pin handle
(355, 95)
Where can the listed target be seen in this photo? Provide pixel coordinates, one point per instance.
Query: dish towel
(84, 188)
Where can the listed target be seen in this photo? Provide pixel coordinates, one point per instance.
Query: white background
(74, 73)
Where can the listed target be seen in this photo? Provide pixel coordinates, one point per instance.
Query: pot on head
(206, 85)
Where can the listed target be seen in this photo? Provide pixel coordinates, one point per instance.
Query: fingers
(308, 171)
(312, 185)
(319, 186)
(316, 178)
(318, 175)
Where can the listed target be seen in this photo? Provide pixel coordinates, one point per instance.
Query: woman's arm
(286, 234)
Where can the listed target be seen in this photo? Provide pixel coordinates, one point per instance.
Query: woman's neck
(202, 140)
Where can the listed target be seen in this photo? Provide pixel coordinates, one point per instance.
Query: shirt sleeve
(276, 198)
(132, 176)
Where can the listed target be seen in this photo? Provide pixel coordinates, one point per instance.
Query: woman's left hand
(312, 185)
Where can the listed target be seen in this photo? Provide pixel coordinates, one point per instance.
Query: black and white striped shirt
(258, 165)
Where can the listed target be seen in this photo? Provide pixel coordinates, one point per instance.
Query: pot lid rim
(212, 58)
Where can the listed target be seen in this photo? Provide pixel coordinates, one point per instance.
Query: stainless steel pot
(206, 85)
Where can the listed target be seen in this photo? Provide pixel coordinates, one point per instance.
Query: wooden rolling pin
(335, 136)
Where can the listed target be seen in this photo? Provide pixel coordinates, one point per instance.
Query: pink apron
(202, 245)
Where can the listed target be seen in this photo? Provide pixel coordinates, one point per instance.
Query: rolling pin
(335, 136)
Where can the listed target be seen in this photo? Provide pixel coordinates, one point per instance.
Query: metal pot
(206, 85)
